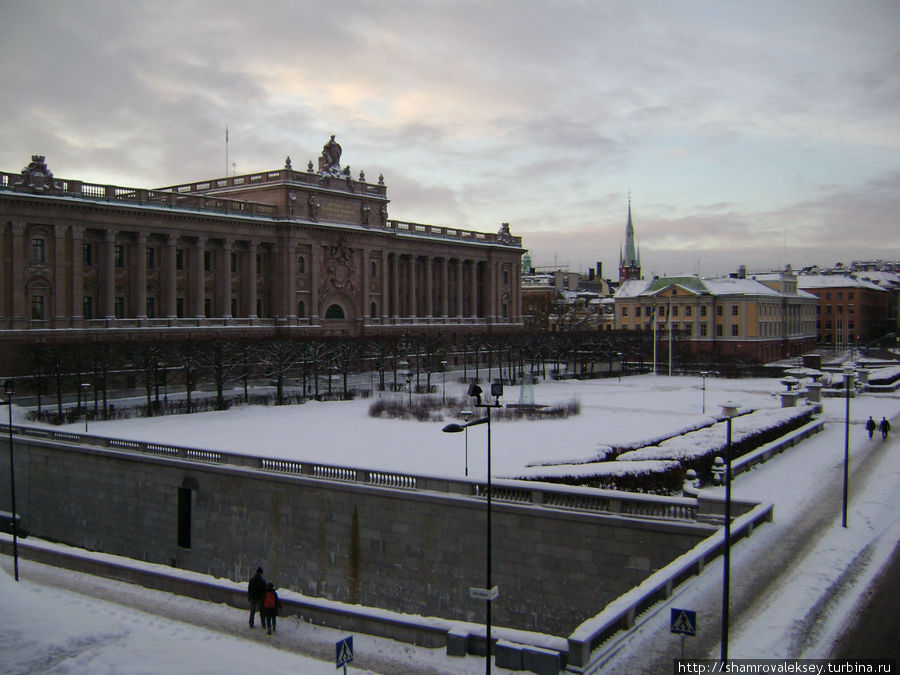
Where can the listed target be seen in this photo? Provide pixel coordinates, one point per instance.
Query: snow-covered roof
(695, 284)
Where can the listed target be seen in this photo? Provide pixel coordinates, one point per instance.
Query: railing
(164, 198)
(418, 229)
(344, 183)
(587, 500)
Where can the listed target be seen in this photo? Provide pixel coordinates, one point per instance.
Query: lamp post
(443, 383)
(466, 414)
(9, 387)
(848, 374)
(729, 410)
(84, 388)
(703, 375)
(475, 392)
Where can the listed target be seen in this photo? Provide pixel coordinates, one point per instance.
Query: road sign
(484, 593)
(683, 621)
(343, 651)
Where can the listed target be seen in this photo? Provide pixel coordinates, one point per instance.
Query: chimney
(590, 274)
(600, 271)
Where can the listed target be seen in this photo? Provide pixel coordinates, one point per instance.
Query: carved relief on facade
(339, 271)
(37, 177)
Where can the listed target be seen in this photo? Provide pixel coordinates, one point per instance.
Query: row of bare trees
(89, 373)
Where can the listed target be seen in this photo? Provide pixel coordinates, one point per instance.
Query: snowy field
(780, 575)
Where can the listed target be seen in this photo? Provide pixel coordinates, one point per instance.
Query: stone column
(61, 311)
(385, 287)
(366, 283)
(395, 273)
(76, 279)
(198, 278)
(445, 287)
(17, 267)
(412, 285)
(170, 277)
(313, 273)
(493, 290)
(251, 280)
(140, 276)
(474, 290)
(108, 276)
(224, 290)
(460, 293)
(429, 286)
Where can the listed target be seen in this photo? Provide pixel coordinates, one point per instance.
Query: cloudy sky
(761, 133)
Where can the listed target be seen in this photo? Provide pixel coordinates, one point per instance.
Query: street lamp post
(443, 383)
(84, 388)
(466, 414)
(848, 374)
(9, 387)
(703, 375)
(729, 410)
(475, 392)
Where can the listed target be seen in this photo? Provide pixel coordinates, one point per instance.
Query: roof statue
(37, 177)
(330, 161)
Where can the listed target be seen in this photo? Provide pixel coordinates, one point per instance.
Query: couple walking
(884, 427)
(263, 599)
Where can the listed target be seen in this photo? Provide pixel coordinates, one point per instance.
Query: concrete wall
(414, 551)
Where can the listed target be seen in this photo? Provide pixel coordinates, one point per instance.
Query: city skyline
(757, 135)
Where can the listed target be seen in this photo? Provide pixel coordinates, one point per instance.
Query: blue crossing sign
(683, 621)
(343, 652)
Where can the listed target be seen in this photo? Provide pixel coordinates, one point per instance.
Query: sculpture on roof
(330, 161)
(37, 176)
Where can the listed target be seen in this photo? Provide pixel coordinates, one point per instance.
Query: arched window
(301, 265)
(301, 310)
(334, 312)
(373, 313)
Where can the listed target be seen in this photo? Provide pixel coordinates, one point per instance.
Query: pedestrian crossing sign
(683, 621)
(343, 651)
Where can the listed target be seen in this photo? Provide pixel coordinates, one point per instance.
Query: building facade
(727, 317)
(304, 252)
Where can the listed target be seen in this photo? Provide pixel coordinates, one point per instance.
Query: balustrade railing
(504, 491)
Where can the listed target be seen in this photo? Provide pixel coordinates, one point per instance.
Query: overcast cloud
(757, 133)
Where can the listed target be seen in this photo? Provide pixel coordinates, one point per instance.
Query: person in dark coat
(870, 426)
(884, 427)
(270, 607)
(256, 591)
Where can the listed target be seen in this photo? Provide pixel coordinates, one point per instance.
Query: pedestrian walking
(271, 605)
(256, 592)
(884, 427)
(870, 426)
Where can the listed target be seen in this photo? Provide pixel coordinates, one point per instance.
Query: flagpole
(226, 151)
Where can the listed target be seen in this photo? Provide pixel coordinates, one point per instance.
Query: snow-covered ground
(780, 575)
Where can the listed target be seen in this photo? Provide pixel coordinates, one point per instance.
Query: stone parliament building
(277, 253)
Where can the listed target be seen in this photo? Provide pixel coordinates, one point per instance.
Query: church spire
(629, 262)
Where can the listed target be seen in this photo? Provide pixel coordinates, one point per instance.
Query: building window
(258, 263)
(179, 308)
(702, 310)
(37, 251)
(840, 309)
(120, 307)
(207, 261)
(849, 309)
(234, 310)
(151, 257)
(850, 325)
(207, 307)
(734, 330)
(637, 311)
(301, 310)
(827, 325)
(184, 517)
(828, 295)
(234, 263)
(718, 310)
(37, 308)
(625, 310)
(373, 269)
(850, 295)
(119, 255)
(87, 254)
(179, 259)
(259, 307)
(840, 295)
(687, 310)
(734, 310)
(373, 311)
(675, 310)
(506, 277)
(87, 307)
(151, 308)
(334, 312)
(301, 265)
(702, 330)
(828, 309)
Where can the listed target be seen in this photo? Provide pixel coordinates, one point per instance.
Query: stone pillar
(429, 286)
(313, 273)
(395, 273)
(366, 282)
(170, 277)
(474, 290)
(460, 293)
(385, 287)
(493, 291)
(224, 290)
(76, 279)
(250, 280)
(445, 287)
(197, 277)
(108, 276)
(61, 311)
(140, 276)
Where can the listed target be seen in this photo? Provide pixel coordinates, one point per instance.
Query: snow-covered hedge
(651, 476)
